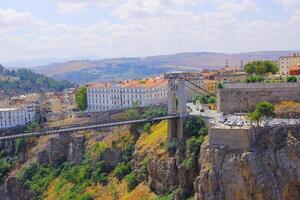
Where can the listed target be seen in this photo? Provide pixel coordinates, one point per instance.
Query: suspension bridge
(178, 84)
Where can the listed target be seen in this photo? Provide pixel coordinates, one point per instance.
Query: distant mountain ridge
(83, 71)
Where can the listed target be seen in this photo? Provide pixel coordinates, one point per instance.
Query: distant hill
(16, 82)
(84, 71)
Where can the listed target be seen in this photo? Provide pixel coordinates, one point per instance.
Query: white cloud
(147, 27)
(231, 6)
(70, 8)
(11, 18)
(289, 3)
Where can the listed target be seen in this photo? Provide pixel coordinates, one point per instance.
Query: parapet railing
(260, 85)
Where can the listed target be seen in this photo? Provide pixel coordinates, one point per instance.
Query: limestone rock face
(76, 150)
(62, 147)
(14, 190)
(2, 192)
(111, 157)
(163, 175)
(8, 146)
(186, 178)
(269, 171)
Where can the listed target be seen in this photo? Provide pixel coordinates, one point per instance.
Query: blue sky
(35, 29)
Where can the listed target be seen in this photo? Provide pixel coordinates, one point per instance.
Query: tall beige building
(287, 61)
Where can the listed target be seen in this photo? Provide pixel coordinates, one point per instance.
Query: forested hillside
(15, 82)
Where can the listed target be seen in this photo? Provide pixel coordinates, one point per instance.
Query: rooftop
(144, 83)
(295, 67)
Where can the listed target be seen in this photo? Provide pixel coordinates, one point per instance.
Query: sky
(36, 29)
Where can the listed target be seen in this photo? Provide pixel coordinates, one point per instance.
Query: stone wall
(232, 138)
(235, 98)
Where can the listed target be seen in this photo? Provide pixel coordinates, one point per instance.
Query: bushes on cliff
(131, 180)
(196, 126)
(121, 170)
(5, 166)
(36, 178)
(193, 145)
(170, 196)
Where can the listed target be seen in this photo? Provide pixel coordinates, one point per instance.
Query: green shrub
(98, 174)
(128, 151)
(131, 181)
(143, 173)
(5, 167)
(254, 79)
(193, 145)
(171, 147)
(170, 196)
(292, 79)
(204, 99)
(154, 112)
(188, 163)
(220, 86)
(20, 145)
(121, 170)
(77, 174)
(147, 127)
(196, 126)
(37, 178)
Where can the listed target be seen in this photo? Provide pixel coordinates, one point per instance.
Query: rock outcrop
(270, 170)
(111, 157)
(163, 175)
(2, 192)
(8, 146)
(14, 191)
(61, 148)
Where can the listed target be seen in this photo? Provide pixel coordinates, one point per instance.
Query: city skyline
(98, 29)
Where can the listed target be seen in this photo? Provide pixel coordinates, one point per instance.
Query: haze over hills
(84, 71)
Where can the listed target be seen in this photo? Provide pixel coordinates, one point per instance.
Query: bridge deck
(83, 127)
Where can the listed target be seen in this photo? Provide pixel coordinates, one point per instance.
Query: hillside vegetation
(15, 82)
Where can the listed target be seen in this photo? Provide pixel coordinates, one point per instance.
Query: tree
(261, 67)
(291, 79)
(131, 180)
(220, 86)
(204, 99)
(271, 67)
(81, 98)
(262, 109)
(249, 68)
(254, 79)
(196, 126)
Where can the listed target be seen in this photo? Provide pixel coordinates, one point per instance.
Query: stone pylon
(177, 105)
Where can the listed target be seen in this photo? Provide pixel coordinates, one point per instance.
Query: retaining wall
(234, 98)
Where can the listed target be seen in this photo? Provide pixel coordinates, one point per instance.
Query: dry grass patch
(154, 141)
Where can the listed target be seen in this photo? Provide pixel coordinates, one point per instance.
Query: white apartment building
(111, 96)
(287, 61)
(22, 115)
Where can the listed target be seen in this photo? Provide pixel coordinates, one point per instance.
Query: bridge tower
(177, 98)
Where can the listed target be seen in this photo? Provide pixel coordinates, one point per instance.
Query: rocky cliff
(270, 170)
